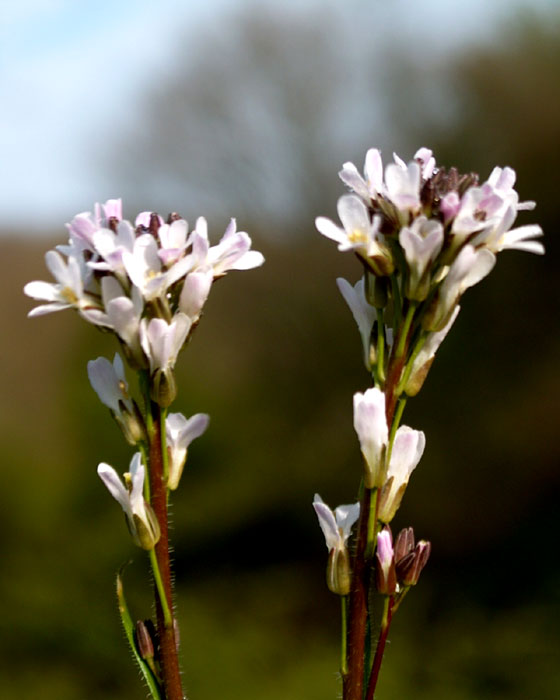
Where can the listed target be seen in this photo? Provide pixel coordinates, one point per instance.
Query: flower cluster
(424, 235)
(146, 283)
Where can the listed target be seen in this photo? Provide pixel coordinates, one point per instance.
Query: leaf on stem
(128, 626)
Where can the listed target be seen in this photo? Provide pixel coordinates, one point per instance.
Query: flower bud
(339, 573)
(146, 528)
(385, 573)
(410, 567)
(164, 389)
(144, 641)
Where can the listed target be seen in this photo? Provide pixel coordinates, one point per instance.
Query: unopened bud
(339, 574)
(146, 532)
(144, 641)
(385, 573)
(404, 543)
(410, 567)
(376, 290)
(132, 425)
(164, 388)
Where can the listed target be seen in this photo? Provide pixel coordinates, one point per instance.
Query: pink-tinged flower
(402, 186)
(162, 341)
(141, 520)
(370, 424)
(422, 243)
(337, 528)
(385, 573)
(173, 240)
(468, 268)
(427, 162)
(110, 245)
(143, 219)
(364, 313)
(145, 269)
(180, 433)
(67, 292)
(195, 291)
(407, 451)
(233, 252)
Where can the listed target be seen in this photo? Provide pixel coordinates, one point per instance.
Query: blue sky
(73, 69)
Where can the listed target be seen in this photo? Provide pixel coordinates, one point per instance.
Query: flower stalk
(423, 236)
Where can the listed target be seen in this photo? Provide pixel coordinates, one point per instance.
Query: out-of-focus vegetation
(275, 362)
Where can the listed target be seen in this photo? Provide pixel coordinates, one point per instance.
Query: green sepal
(128, 626)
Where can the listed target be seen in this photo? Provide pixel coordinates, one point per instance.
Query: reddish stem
(353, 681)
(169, 660)
(378, 658)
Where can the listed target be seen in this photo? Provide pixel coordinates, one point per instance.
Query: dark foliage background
(261, 124)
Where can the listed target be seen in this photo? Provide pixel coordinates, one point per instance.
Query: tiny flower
(336, 528)
(372, 185)
(407, 451)
(385, 573)
(196, 289)
(67, 292)
(364, 313)
(233, 252)
(141, 520)
(173, 239)
(110, 245)
(180, 433)
(422, 243)
(109, 383)
(161, 342)
(359, 233)
(370, 424)
(402, 184)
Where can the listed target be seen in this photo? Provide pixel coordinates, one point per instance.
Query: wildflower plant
(147, 284)
(423, 235)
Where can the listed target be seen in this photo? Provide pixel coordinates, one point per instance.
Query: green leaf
(128, 625)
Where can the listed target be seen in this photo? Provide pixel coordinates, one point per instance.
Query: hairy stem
(169, 660)
(378, 658)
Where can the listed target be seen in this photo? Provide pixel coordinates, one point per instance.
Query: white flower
(180, 433)
(370, 187)
(196, 289)
(363, 312)
(359, 232)
(161, 341)
(336, 526)
(407, 451)
(145, 269)
(402, 185)
(422, 243)
(233, 252)
(142, 522)
(67, 292)
(109, 383)
(370, 424)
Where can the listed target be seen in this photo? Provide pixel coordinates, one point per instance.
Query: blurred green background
(258, 126)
